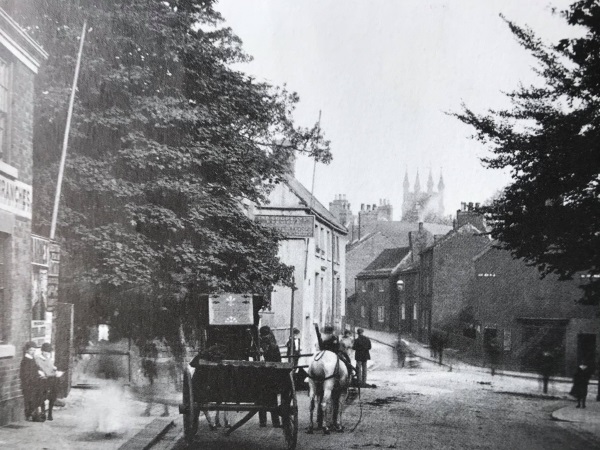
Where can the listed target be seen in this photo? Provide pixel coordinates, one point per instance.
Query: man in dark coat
(31, 384)
(361, 346)
(271, 353)
(581, 380)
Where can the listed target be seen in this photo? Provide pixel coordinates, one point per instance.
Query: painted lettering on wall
(15, 197)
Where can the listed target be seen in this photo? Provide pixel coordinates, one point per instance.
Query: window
(363, 311)
(328, 247)
(4, 313)
(371, 286)
(507, 340)
(381, 286)
(5, 78)
(403, 311)
(415, 317)
(337, 248)
(380, 313)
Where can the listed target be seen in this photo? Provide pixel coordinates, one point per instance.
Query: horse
(328, 383)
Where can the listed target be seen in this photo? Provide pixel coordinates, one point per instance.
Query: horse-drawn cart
(236, 384)
(249, 386)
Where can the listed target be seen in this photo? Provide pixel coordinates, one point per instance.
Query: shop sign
(289, 226)
(230, 309)
(15, 197)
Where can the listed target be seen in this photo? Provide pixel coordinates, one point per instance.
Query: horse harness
(336, 372)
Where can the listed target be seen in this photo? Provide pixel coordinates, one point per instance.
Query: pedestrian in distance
(546, 367)
(494, 352)
(346, 344)
(49, 381)
(402, 351)
(361, 347)
(271, 353)
(581, 380)
(31, 384)
(293, 347)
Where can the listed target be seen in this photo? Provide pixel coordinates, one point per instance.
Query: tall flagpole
(61, 167)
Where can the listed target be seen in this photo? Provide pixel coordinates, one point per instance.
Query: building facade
(315, 247)
(527, 314)
(20, 58)
(375, 305)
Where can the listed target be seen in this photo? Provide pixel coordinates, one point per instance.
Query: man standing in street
(361, 346)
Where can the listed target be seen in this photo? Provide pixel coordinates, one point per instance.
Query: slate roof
(385, 263)
(311, 202)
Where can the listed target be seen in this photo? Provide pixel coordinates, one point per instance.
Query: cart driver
(329, 341)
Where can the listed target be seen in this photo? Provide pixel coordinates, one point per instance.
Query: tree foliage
(550, 140)
(168, 144)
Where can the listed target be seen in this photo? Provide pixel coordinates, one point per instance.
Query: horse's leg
(217, 419)
(226, 420)
(326, 405)
(311, 395)
(340, 403)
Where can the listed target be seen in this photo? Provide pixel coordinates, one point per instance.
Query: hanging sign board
(230, 309)
(289, 226)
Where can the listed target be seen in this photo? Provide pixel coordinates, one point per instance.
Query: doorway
(586, 349)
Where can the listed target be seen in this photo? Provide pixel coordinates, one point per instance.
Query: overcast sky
(383, 73)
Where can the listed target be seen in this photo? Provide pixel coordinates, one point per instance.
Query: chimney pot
(374, 206)
(476, 205)
(470, 206)
(362, 206)
(420, 226)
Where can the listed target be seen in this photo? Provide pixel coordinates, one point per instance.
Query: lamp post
(401, 306)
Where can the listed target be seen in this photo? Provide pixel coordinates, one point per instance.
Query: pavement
(513, 382)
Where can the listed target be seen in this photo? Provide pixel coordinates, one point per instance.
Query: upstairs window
(4, 312)
(5, 71)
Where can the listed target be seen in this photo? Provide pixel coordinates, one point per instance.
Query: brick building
(527, 314)
(375, 304)
(20, 58)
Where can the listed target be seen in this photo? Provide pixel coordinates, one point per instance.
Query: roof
(313, 204)
(397, 232)
(385, 263)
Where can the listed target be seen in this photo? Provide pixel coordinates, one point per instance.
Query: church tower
(423, 206)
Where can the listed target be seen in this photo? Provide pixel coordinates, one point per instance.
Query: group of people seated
(39, 381)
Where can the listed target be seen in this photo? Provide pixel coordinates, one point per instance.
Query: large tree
(550, 140)
(168, 144)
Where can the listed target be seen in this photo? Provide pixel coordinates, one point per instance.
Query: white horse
(328, 384)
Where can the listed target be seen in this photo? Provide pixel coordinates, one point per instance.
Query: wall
(453, 271)
(510, 296)
(17, 292)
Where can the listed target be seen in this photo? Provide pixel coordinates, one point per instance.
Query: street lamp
(400, 285)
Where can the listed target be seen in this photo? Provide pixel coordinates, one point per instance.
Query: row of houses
(462, 286)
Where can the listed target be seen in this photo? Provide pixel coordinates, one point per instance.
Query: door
(586, 349)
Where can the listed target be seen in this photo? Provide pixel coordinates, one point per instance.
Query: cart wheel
(289, 415)
(190, 413)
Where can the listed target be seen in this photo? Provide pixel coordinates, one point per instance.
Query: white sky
(383, 72)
